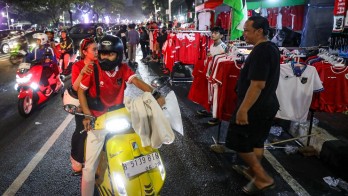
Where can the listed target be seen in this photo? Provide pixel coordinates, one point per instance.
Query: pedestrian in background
(123, 34)
(144, 42)
(257, 105)
(132, 42)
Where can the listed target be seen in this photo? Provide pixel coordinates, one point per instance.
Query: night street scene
(174, 97)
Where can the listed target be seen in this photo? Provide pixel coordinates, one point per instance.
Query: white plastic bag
(172, 112)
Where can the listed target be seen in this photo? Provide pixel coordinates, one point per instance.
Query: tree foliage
(46, 11)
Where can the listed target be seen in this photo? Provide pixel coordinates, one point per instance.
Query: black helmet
(49, 31)
(107, 44)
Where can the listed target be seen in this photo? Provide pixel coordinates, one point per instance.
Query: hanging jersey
(297, 15)
(199, 88)
(335, 81)
(204, 21)
(224, 20)
(192, 48)
(286, 17)
(295, 93)
(226, 78)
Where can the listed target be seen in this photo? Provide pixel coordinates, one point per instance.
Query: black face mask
(107, 65)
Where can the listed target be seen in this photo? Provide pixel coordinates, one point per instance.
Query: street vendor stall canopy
(252, 4)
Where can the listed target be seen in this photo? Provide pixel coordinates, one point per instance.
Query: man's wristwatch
(156, 94)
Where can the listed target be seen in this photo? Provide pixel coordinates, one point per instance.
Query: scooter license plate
(141, 164)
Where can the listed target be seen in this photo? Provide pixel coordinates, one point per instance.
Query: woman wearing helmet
(89, 56)
(113, 76)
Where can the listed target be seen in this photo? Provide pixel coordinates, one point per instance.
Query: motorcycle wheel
(14, 60)
(25, 106)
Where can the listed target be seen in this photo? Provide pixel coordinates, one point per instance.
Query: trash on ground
(275, 130)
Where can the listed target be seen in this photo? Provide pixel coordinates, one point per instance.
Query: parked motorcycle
(125, 167)
(35, 84)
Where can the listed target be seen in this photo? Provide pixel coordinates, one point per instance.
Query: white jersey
(219, 49)
(204, 21)
(295, 93)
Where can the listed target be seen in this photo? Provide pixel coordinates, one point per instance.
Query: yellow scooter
(125, 167)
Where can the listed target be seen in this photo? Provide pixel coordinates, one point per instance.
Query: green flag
(239, 17)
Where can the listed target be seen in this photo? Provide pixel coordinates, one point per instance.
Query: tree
(103, 7)
(45, 11)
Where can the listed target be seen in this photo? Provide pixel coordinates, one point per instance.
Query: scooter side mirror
(70, 108)
(160, 82)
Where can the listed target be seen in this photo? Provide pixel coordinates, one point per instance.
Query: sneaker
(213, 121)
(204, 113)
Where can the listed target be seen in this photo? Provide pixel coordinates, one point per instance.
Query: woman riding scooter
(89, 56)
(67, 50)
(112, 76)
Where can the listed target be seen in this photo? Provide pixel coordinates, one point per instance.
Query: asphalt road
(43, 140)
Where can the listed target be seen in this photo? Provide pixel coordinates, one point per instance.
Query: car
(9, 39)
(30, 39)
(83, 30)
(114, 28)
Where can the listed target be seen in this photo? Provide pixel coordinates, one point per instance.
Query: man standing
(132, 42)
(216, 48)
(257, 104)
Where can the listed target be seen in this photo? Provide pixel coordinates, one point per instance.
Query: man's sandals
(242, 170)
(251, 188)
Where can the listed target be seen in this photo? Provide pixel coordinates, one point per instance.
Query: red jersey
(199, 88)
(224, 20)
(286, 17)
(112, 85)
(226, 78)
(335, 82)
(272, 16)
(192, 48)
(297, 15)
(76, 70)
(170, 51)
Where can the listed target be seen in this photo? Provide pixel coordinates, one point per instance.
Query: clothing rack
(190, 31)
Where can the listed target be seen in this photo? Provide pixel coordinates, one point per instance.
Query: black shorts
(244, 138)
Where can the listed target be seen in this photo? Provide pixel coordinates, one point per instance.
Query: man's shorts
(244, 138)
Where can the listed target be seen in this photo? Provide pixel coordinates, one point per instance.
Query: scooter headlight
(121, 189)
(34, 86)
(117, 125)
(23, 80)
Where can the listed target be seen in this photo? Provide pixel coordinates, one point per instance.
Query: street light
(8, 21)
(170, 9)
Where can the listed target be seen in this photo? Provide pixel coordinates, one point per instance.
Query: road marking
(4, 57)
(18, 182)
(299, 190)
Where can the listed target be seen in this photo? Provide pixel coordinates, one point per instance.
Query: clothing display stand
(218, 135)
(310, 126)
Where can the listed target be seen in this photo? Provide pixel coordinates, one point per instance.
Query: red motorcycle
(65, 70)
(36, 83)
